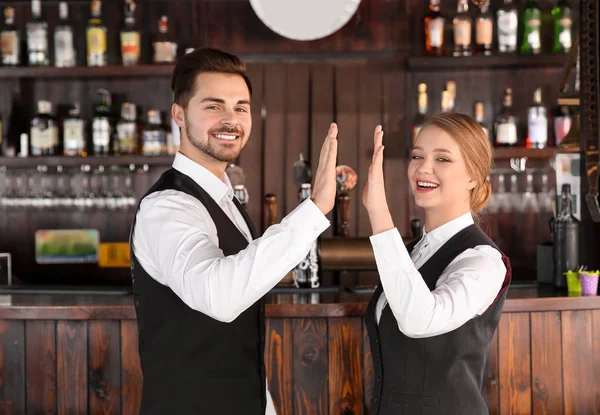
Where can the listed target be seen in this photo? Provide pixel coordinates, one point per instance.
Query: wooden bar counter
(77, 354)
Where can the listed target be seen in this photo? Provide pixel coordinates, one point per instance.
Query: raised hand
(373, 196)
(324, 189)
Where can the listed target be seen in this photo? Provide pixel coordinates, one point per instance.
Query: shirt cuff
(308, 217)
(390, 252)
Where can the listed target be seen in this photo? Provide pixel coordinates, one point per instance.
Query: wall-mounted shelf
(86, 72)
(25, 162)
(530, 153)
(441, 63)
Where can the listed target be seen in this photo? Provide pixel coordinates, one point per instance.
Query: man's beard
(225, 155)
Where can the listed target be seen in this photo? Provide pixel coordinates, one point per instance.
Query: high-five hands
(324, 189)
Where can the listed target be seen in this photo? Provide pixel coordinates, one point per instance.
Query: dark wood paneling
(310, 366)
(546, 370)
(71, 366)
(278, 362)
(104, 375)
(596, 354)
(491, 386)
(131, 372)
(578, 372)
(345, 355)
(515, 360)
(41, 366)
(367, 369)
(12, 367)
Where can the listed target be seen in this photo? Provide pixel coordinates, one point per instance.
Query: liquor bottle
(305, 274)
(562, 15)
(532, 21)
(37, 37)
(451, 88)
(64, 50)
(484, 30)
(130, 37)
(507, 24)
(74, 135)
(565, 236)
(537, 122)
(421, 116)
(17, 124)
(96, 37)
(102, 129)
(434, 30)
(462, 26)
(505, 125)
(10, 39)
(154, 136)
(165, 50)
(446, 102)
(128, 137)
(480, 116)
(44, 132)
(562, 123)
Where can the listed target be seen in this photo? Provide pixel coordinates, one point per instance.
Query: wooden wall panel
(515, 363)
(131, 372)
(278, 361)
(367, 369)
(491, 386)
(12, 367)
(104, 363)
(546, 370)
(40, 358)
(72, 366)
(578, 372)
(596, 359)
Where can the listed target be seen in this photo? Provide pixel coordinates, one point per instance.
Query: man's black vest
(440, 375)
(192, 363)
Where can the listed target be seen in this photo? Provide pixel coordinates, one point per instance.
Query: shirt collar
(442, 234)
(219, 190)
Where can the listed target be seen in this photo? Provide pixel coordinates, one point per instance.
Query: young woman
(433, 315)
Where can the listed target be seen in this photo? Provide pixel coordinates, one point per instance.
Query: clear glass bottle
(434, 29)
(532, 24)
(74, 134)
(478, 112)
(537, 122)
(102, 128)
(505, 125)
(128, 135)
(96, 37)
(44, 132)
(64, 49)
(562, 16)
(10, 39)
(462, 25)
(154, 136)
(507, 23)
(421, 115)
(37, 37)
(130, 37)
(484, 30)
(165, 50)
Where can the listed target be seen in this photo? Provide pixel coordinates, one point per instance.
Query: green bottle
(562, 16)
(532, 22)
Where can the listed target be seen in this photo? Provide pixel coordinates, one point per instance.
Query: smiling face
(438, 176)
(216, 121)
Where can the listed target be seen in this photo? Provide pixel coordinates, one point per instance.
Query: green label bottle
(562, 17)
(532, 22)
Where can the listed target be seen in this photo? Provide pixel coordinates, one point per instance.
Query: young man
(199, 268)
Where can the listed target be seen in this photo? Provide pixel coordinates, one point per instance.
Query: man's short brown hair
(183, 83)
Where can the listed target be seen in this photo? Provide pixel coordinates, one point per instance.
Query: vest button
(377, 361)
(262, 339)
(378, 379)
(376, 399)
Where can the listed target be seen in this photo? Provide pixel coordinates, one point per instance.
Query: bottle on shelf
(10, 39)
(505, 125)
(421, 115)
(154, 136)
(37, 37)
(44, 131)
(64, 49)
(537, 122)
(462, 27)
(484, 30)
(507, 24)
(562, 16)
(128, 137)
(479, 114)
(165, 50)
(434, 30)
(96, 37)
(562, 123)
(130, 37)
(565, 236)
(305, 274)
(448, 97)
(74, 134)
(102, 129)
(532, 22)
(17, 124)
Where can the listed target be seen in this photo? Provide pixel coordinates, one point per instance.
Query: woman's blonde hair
(476, 151)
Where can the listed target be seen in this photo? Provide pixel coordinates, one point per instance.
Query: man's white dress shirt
(176, 242)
